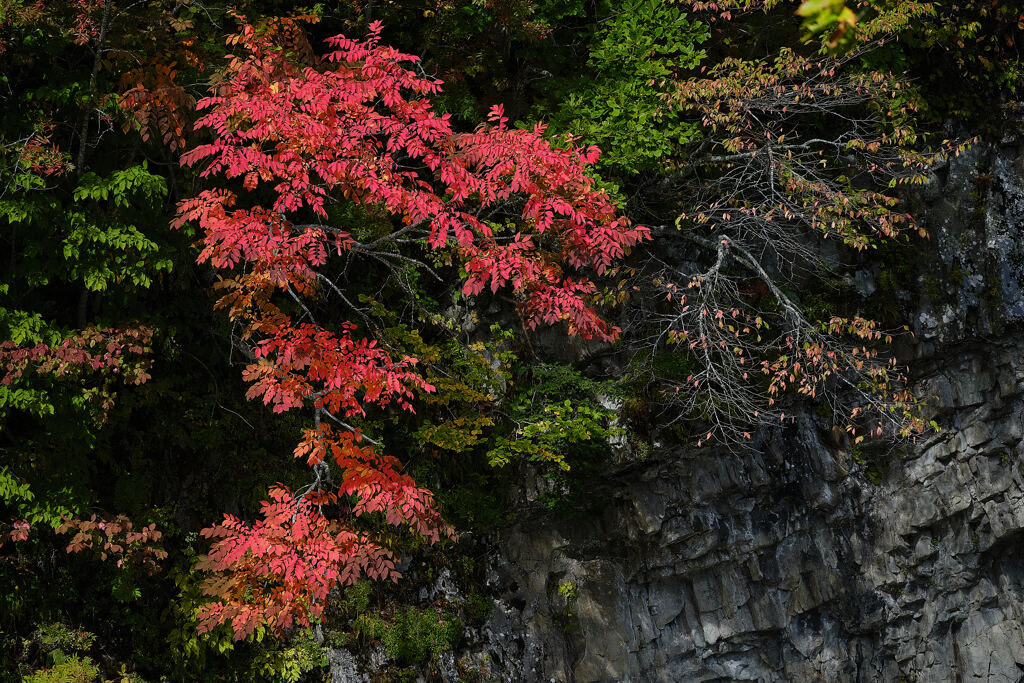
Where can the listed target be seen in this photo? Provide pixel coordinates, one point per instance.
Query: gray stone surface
(343, 667)
(789, 563)
(705, 566)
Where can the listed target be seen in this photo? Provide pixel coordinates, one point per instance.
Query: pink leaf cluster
(105, 352)
(278, 571)
(116, 539)
(18, 532)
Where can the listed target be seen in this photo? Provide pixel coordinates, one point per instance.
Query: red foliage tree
(358, 126)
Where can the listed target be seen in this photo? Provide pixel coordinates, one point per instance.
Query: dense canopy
(296, 300)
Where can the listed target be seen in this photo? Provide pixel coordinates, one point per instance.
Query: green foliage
(413, 635)
(478, 608)
(58, 639)
(569, 591)
(74, 669)
(620, 105)
(188, 647)
(568, 595)
(64, 651)
(356, 598)
(13, 490)
(63, 236)
(24, 328)
(17, 496)
(555, 411)
(289, 664)
(96, 230)
(873, 465)
(103, 249)
(832, 18)
(546, 436)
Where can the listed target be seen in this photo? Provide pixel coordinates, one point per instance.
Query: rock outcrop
(791, 565)
(808, 559)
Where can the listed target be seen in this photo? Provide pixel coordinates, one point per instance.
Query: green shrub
(413, 635)
(71, 670)
(478, 608)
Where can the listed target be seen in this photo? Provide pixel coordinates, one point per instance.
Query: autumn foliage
(97, 355)
(368, 237)
(358, 125)
(92, 350)
(118, 540)
(278, 571)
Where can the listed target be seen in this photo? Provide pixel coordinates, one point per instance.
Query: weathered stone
(787, 563)
(717, 581)
(343, 667)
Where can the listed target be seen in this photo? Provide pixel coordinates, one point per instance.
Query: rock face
(791, 565)
(809, 560)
